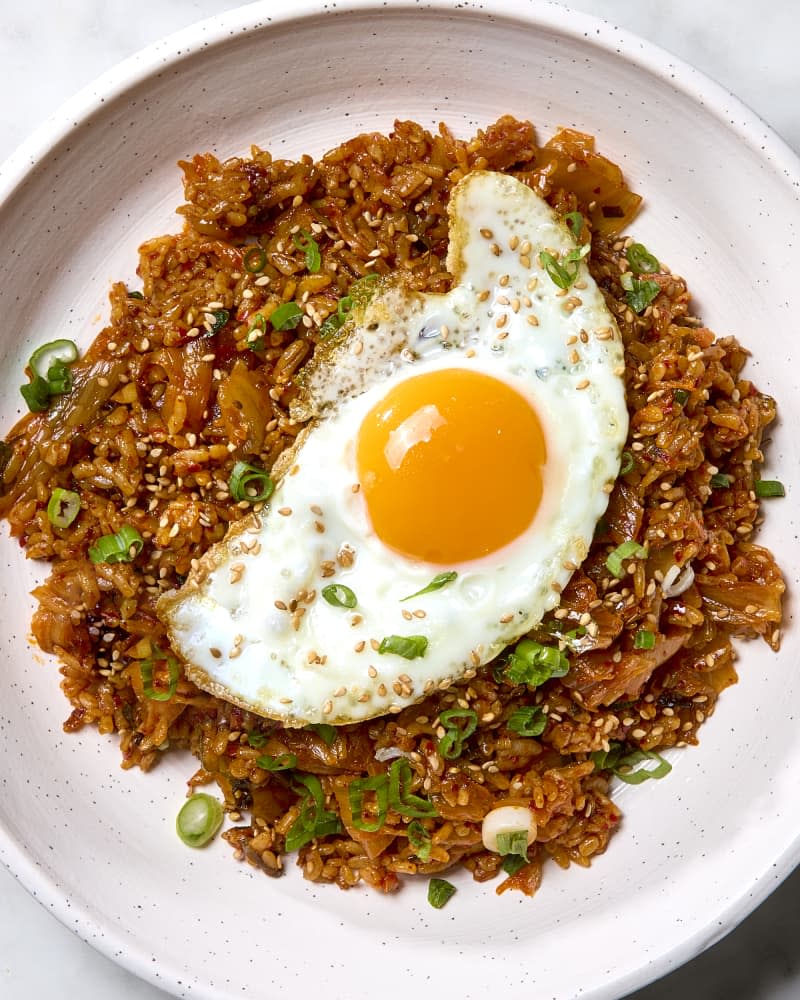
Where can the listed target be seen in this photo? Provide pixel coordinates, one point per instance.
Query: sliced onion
(389, 753)
(677, 580)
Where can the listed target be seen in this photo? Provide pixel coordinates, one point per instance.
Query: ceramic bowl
(96, 844)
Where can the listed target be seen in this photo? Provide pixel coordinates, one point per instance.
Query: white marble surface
(51, 48)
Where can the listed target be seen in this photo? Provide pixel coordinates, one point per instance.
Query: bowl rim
(210, 32)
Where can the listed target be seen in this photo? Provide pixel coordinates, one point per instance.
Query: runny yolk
(450, 465)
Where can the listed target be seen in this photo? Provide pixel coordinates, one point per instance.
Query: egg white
(234, 621)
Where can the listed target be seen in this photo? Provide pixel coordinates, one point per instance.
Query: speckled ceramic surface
(96, 844)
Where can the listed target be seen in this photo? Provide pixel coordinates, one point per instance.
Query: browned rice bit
(191, 377)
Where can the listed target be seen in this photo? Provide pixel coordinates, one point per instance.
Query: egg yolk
(450, 465)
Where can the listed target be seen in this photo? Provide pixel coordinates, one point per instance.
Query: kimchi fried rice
(190, 377)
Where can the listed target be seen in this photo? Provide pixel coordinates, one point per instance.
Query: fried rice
(189, 377)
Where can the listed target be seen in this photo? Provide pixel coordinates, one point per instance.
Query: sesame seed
(407, 615)
(382, 691)
(525, 260)
(284, 511)
(375, 644)
(483, 296)
(583, 384)
(503, 280)
(359, 646)
(327, 708)
(501, 321)
(357, 347)
(506, 618)
(487, 234)
(532, 320)
(339, 692)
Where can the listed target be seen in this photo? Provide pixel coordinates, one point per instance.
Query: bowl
(96, 844)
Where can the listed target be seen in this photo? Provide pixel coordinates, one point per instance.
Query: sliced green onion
(459, 724)
(326, 732)
(254, 260)
(283, 762)
(339, 596)
(681, 397)
(644, 640)
(512, 863)
(401, 799)
(250, 482)
(721, 480)
(626, 463)
(36, 394)
(63, 507)
(221, 317)
(63, 352)
(575, 222)
(532, 663)
(286, 317)
(624, 765)
(59, 378)
(420, 840)
(407, 646)
(146, 667)
(527, 720)
(513, 842)
(621, 552)
(641, 260)
(256, 739)
(565, 272)
(314, 819)
(124, 546)
(135, 295)
(357, 791)
(305, 241)
(439, 581)
(639, 294)
(439, 892)
(769, 488)
(199, 819)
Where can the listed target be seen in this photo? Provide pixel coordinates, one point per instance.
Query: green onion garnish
(339, 596)
(250, 482)
(146, 667)
(401, 799)
(527, 720)
(639, 294)
(436, 583)
(314, 819)
(254, 260)
(63, 352)
(357, 791)
(512, 863)
(626, 463)
(221, 317)
(135, 295)
(63, 507)
(407, 646)
(459, 724)
(621, 552)
(513, 842)
(256, 739)
(532, 663)
(124, 546)
(575, 222)
(769, 488)
(641, 261)
(439, 892)
(623, 764)
(565, 272)
(644, 640)
(721, 480)
(420, 840)
(283, 762)
(286, 317)
(199, 819)
(681, 397)
(305, 241)
(361, 291)
(51, 374)
(326, 732)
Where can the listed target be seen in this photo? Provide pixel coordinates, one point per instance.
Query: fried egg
(460, 450)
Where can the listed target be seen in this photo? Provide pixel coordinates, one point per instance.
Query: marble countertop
(50, 49)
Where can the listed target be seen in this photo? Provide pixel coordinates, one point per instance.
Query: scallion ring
(63, 352)
(532, 663)
(720, 480)
(769, 488)
(614, 562)
(527, 720)
(124, 546)
(644, 639)
(420, 840)
(439, 581)
(254, 259)
(339, 596)
(147, 666)
(358, 791)
(63, 507)
(401, 799)
(440, 891)
(221, 317)
(459, 725)
(314, 819)
(286, 317)
(641, 260)
(626, 463)
(407, 646)
(250, 483)
(199, 819)
(575, 222)
(681, 397)
(513, 842)
(305, 241)
(282, 762)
